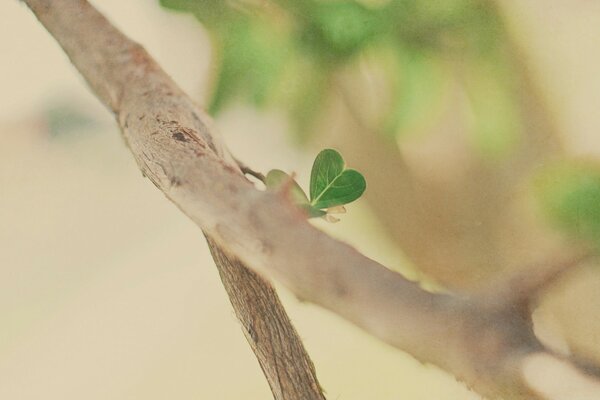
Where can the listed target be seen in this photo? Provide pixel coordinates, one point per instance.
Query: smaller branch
(524, 287)
(269, 331)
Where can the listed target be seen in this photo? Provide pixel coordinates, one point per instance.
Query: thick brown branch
(270, 333)
(173, 142)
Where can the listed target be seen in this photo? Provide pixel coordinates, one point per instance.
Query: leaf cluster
(284, 53)
(332, 185)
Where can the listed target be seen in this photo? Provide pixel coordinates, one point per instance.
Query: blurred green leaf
(179, 5)
(252, 59)
(303, 93)
(494, 105)
(285, 53)
(417, 91)
(340, 28)
(331, 184)
(569, 195)
(213, 13)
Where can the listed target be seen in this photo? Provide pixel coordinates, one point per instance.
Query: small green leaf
(327, 166)
(277, 179)
(331, 184)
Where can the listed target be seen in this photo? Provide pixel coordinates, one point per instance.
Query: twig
(246, 170)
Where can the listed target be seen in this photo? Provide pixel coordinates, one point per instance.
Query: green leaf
(339, 29)
(212, 13)
(277, 179)
(304, 90)
(252, 58)
(569, 195)
(331, 184)
(496, 123)
(417, 85)
(178, 5)
(327, 166)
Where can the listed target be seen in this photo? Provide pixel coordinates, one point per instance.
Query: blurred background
(462, 115)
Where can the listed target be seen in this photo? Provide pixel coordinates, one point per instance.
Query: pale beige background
(108, 292)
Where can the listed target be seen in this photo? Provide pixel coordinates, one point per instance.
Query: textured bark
(268, 329)
(270, 333)
(493, 349)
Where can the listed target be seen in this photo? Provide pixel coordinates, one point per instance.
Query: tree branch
(270, 333)
(174, 145)
(103, 54)
(524, 287)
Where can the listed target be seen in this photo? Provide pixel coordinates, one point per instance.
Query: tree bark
(269, 331)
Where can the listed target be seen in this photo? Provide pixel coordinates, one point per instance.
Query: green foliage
(331, 184)
(496, 119)
(569, 195)
(209, 12)
(418, 83)
(285, 53)
(252, 58)
(336, 30)
(304, 94)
